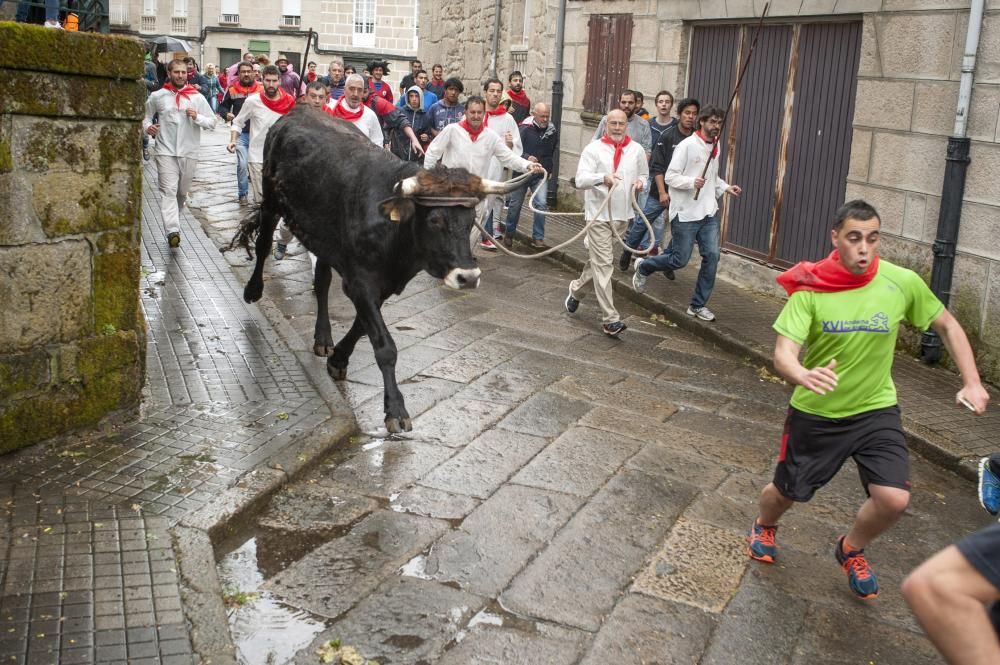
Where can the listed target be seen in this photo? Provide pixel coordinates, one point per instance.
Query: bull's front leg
(396, 417)
(322, 335)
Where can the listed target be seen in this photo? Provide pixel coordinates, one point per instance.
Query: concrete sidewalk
(944, 433)
(107, 542)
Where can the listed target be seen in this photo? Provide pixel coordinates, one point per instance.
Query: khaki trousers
(174, 176)
(599, 268)
(256, 181)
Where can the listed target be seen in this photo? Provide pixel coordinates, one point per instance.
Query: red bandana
(714, 144)
(520, 98)
(282, 105)
(498, 111)
(238, 89)
(341, 111)
(311, 76)
(473, 133)
(184, 92)
(826, 276)
(619, 147)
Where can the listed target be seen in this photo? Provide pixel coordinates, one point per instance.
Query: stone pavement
(564, 497)
(94, 528)
(951, 435)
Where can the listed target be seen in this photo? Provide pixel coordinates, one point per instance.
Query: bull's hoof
(336, 373)
(253, 291)
(395, 425)
(323, 349)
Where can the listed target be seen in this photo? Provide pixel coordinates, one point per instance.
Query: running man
(846, 309)
(183, 113)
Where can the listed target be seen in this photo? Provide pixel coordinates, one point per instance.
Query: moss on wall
(46, 94)
(32, 47)
(22, 372)
(115, 301)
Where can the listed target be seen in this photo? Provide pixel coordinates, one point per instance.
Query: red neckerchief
(341, 111)
(184, 92)
(714, 144)
(282, 105)
(520, 98)
(473, 133)
(238, 89)
(619, 147)
(826, 276)
(192, 74)
(498, 111)
(311, 76)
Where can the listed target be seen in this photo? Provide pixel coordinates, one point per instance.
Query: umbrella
(170, 44)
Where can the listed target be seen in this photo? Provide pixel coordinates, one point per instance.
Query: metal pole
(496, 39)
(953, 188)
(552, 196)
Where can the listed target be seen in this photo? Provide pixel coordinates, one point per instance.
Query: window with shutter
(609, 52)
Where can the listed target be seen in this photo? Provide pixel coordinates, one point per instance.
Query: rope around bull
(586, 227)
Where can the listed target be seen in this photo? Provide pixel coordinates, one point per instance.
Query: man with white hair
(470, 144)
(350, 108)
(610, 166)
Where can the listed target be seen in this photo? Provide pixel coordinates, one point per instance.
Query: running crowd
(844, 311)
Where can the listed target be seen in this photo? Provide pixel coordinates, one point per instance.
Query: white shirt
(368, 122)
(454, 148)
(687, 163)
(597, 161)
(179, 135)
(260, 118)
(501, 124)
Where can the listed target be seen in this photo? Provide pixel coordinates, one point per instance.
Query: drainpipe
(953, 189)
(496, 39)
(552, 196)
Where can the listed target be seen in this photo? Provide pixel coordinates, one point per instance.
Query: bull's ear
(398, 209)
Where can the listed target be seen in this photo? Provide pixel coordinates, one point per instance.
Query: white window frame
(365, 13)
(291, 7)
(231, 7)
(180, 8)
(149, 7)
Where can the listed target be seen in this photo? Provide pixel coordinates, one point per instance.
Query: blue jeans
(517, 202)
(678, 252)
(242, 169)
(638, 234)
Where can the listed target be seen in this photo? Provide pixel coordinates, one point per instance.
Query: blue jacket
(540, 143)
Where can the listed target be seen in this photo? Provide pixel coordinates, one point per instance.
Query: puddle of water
(265, 631)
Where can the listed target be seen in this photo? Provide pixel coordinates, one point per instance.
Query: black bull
(373, 218)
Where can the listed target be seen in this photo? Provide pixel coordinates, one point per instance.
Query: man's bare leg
(948, 597)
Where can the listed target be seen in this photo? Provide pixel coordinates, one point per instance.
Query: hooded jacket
(420, 121)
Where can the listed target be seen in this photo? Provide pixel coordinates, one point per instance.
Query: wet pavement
(564, 497)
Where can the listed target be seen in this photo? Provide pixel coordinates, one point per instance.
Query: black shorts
(982, 551)
(813, 449)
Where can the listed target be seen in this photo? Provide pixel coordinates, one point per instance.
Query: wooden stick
(739, 81)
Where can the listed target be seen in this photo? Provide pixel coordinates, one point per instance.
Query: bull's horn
(497, 187)
(409, 186)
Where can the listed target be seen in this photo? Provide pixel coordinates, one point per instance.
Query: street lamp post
(557, 103)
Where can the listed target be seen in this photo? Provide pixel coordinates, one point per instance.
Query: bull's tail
(246, 234)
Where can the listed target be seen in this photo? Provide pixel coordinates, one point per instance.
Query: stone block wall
(72, 335)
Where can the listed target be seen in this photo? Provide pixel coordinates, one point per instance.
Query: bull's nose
(459, 278)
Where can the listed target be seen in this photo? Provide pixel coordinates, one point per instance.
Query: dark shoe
(244, 201)
(539, 244)
(280, 250)
(760, 543)
(508, 240)
(613, 329)
(174, 240)
(571, 303)
(859, 574)
(624, 260)
(145, 153)
(669, 274)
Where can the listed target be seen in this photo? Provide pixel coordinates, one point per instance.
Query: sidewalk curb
(918, 437)
(197, 535)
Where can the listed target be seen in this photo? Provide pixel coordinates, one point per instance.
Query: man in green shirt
(846, 309)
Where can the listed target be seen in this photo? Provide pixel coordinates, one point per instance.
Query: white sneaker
(638, 279)
(53, 24)
(703, 313)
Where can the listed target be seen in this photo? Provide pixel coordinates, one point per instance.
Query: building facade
(843, 99)
(223, 30)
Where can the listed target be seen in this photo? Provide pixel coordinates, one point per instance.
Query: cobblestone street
(564, 497)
